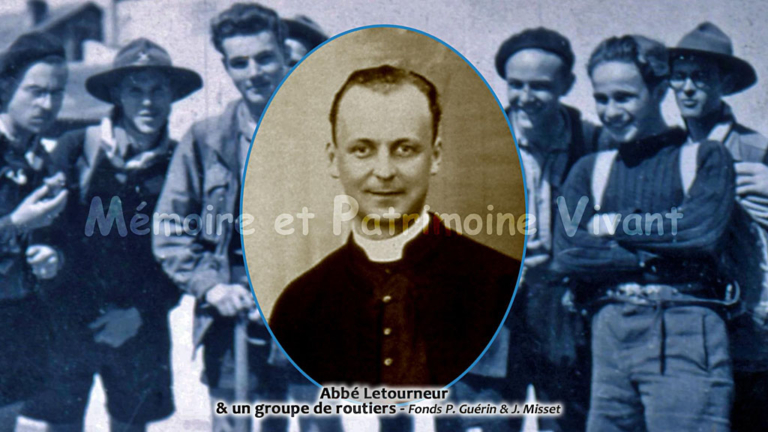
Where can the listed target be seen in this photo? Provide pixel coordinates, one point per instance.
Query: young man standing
(643, 234)
(110, 309)
(33, 76)
(704, 70)
(204, 183)
(537, 65)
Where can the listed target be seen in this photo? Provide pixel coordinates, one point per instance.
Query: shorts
(136, 376)
(24, 338)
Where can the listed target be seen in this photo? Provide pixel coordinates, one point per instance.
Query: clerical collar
(391, 249)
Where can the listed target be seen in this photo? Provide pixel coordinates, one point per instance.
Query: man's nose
(45, 101)
(688, 86)
(384, 168)
(253, 68)
(612, 110)
(525, 94)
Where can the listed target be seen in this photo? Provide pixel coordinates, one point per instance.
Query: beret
(28, 49)
(541, 38)
(304, 29)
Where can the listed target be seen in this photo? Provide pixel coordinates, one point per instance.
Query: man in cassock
(406, 301)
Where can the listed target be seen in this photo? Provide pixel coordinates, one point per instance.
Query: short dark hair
(537, 38)
(649, 56)
(383, 79)
(246, 19)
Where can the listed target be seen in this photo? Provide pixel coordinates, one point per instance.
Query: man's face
(145, 98)
(256, 64)
(536, 80)
(697, 85)
(625, 105)
(37, 99)
(384, 153)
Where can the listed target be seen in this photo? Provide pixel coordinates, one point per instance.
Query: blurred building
(73, 24)
(76, 26)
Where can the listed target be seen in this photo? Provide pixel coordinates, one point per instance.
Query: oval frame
(248, 160)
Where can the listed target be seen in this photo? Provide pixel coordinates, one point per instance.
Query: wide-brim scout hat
(142, 54)
(303, 29)
(707, 40)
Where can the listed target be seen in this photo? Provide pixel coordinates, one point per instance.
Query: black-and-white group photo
(638, 180)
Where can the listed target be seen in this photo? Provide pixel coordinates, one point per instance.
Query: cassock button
(386, 299)
(387, 362)
(388, 271)
(387, 331)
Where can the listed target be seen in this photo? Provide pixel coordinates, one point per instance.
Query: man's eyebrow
(533, 81)
(403, 141)
(365, 141)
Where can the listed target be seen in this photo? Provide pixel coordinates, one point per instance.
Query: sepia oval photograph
(384, 212)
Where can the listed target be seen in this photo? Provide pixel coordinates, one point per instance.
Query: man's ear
(7, 88)
(330, 151)
(568, 83)
(660, 91)
(437, 156)
(727, 84)
(114, 94)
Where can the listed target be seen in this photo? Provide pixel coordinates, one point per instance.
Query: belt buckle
(641, 294)
(630, 289)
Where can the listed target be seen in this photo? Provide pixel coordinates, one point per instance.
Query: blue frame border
(522, 170)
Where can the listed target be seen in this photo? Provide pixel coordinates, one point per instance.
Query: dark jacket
(18, 178)
(109, 263)
(452, 291)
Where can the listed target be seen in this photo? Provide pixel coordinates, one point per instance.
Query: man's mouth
(618, 126)
(258, 86)
(386, 193)
(689, 103)
(529, 109)
(40, 118)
